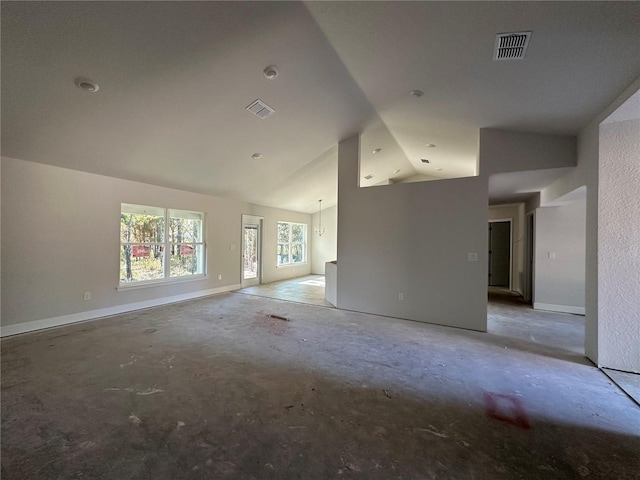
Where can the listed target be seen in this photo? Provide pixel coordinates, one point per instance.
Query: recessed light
(87, 85)
(424, 160)
(416, 93)
(430, 145)
(396, 171)
(256, 156)
(271, 72)
(377, 150)
(438, 169)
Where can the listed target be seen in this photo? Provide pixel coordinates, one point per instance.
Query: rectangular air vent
(260, 109)
(368, 177)
(511, 46)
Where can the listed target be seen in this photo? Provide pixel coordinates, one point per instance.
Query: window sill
(159, 283)
(291, 265)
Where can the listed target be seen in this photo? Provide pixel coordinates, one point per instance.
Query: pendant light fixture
(319, 229)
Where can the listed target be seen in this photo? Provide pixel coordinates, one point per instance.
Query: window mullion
(166, 258)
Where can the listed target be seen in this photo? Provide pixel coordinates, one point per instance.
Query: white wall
(412, 238)
(325, 248)
(560, 281)
(60, 239)
(619, 246)
(515, 212)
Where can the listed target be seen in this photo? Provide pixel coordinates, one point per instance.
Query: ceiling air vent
(368, 177)
(260, 109)
(511, 46)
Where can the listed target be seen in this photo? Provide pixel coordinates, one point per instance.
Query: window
(158, 244)
(292, 243)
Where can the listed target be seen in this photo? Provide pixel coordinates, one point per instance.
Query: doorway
(251, 250)
(529, 259)
(500, 253)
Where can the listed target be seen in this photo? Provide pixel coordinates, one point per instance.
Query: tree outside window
(292, 243)
(159, 244)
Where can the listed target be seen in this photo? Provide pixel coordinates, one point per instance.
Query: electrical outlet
(472, 256)
(87, 295)
(552, 255)
(219, 276)
(401, 296)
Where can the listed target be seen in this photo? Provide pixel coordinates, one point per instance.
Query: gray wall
(507, 151)
(60, 238)
(412, 238)
(560, 281)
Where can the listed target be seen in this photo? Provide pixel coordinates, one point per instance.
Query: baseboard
(35, 325)
(558, 308)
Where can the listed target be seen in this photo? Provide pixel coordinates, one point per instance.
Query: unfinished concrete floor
(307, 289)
(216, 389)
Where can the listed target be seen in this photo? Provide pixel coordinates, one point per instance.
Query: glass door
(251, 250)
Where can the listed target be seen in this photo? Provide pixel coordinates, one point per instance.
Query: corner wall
(586, 174)
(414, 239)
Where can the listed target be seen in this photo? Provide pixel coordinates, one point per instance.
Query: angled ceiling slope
(175, 79)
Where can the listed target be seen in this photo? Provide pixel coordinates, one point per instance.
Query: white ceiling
(175, 78)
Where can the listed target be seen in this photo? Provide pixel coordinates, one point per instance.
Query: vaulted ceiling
(175, 78)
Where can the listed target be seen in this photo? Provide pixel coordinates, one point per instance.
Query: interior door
(499, 254)
(251, 250)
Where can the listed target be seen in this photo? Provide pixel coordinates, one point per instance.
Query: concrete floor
(308, 289)
(216, 389)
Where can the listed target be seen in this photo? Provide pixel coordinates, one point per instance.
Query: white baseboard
(32, 326)
(558, 308)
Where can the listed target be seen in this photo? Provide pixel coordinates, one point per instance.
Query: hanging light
(319, 229)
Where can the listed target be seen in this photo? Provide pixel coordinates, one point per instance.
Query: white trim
(123, 287)
(32, 326)
(559, 308)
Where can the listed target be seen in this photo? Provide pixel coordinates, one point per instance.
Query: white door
(251, 250)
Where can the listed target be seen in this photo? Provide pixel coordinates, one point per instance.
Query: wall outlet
(219, 276)
(87, 295)
(552, 255)
(472, 256)
(401, 296)
(232, 246)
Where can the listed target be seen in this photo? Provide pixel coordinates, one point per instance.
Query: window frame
(290, 244)
(166, 247)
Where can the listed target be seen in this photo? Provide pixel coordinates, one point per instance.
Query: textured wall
(619, 246)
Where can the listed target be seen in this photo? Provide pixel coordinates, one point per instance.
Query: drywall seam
(558, 308)
(106, 312)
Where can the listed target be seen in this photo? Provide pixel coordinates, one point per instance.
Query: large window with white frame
(160, 244)
(292, 243)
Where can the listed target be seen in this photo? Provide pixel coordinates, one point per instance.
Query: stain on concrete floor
(214, 393)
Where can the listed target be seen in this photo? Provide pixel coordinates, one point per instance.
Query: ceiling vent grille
(511, 46)
(260, 109)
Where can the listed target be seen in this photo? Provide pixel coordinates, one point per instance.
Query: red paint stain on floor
(506, 408)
